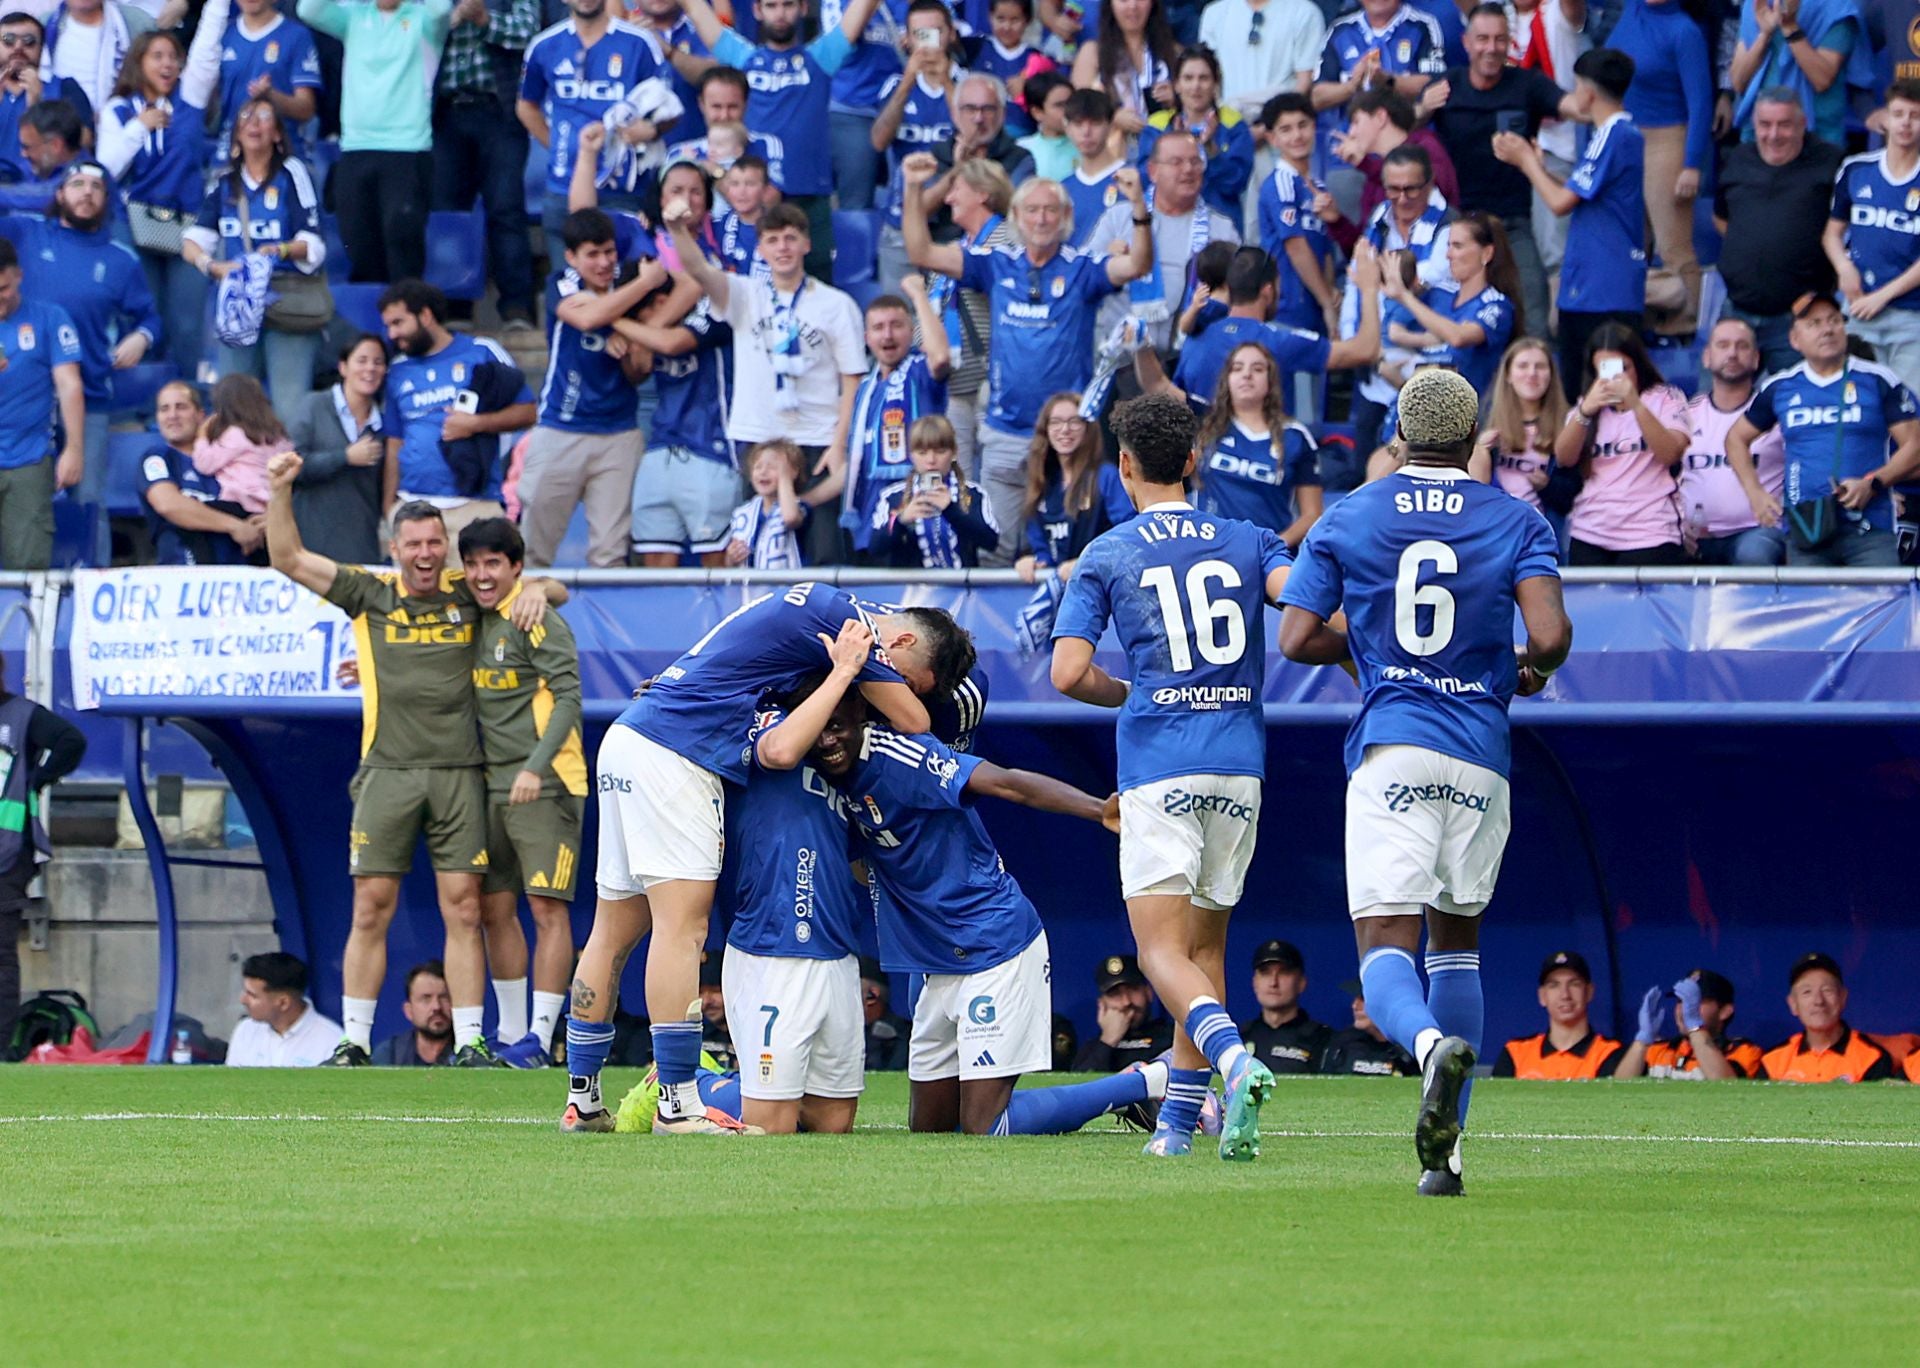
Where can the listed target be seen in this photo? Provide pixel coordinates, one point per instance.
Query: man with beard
(792, 89)
(186, 518)
(434, 367)
(69, 260)
(21, 88)
(420, 762)
(1724, 528)
(428, 1012)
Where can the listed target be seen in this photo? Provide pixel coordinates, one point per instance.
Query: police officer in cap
(1283, 1037)
(1364, 1048)
(1131, 1030)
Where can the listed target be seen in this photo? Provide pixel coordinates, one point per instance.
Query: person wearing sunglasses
(21, 88)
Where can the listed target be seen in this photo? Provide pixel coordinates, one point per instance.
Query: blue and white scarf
(1147, 295)
(240, 308)
(785, 355)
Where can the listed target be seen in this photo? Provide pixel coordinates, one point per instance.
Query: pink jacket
(240, 464)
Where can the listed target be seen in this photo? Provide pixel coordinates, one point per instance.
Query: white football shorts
(993, 1024)
(1192, 835)
(1423, 830)
(661, 816)
(799, 1026)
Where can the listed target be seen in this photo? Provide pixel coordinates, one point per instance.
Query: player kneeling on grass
(944, 898)
(526, 688)
(1185, 592)
(661, 771)
(1428, 565)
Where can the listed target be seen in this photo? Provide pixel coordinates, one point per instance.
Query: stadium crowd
(858, 286)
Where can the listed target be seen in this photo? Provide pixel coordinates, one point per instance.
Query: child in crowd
(726, 144)
(936, 519)
(748, 193)
(1005, 53)
(1207, 305)
(1401, 338)
(766, 528)
(1090, 188)
(1053, 151)
(241, 434)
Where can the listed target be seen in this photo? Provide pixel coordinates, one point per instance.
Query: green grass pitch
(205, 1216)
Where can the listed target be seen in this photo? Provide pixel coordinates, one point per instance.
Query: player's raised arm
(285, 549)
(1549, 630)
(1038, 791)
(784, 746)
(898, 704)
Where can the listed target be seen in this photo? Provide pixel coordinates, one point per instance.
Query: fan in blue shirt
(1604, 200)
(790, 85)
(576, 71)
(1403, 42)
(1286, 213)
(1876, 214)
(1838, 416)
(432, 368)
(588, 388)
(1184, 592)
(1428, 566)
(905, 385)
(925, 115)
(1044, 296)
(1468, 327)
(39, 387)
(265, 44)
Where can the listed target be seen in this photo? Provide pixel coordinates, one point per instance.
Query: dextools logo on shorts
(1180, 803)
(1202, 696)
(1401, 797)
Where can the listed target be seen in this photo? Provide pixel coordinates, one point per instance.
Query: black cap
(1284, 953)
(1115, 970)
(1812, 960)
(709, 969)
(870, 969)
(1352, 988)
(1714, 987)
(1566, 959)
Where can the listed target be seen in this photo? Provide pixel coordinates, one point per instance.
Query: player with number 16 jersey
(1428, 565)
(1185, 592)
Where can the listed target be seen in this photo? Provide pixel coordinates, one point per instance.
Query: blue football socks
(1056, 1111)
(1397, 1002)
(1186, 1094)
(1213, 1033)
(587, 1045)
(676, 1054)
(1455, 998)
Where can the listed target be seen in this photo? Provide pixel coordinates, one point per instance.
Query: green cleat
(346, 1055)
(1240, 1130)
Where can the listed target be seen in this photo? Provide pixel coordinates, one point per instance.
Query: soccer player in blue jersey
(661, 770)
(1427, 565)
(1184, 592)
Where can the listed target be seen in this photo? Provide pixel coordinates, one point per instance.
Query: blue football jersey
(1242, 476)
(1605, 266)
(576, 86)
(691, 389)
(786, 886)
(1090, 200)
(702, 705)
(1205, 355)
(586, 389)
(1186, 594)
(1426, 562)
(1493, 311)
(1862, 400)
(956, 717)
(925, 122)
(1883, 221)
(944, 900)
(420, 391)
(789, 93)
(1043, 318)
(1286, 212)
(34, 338)
(283, 52)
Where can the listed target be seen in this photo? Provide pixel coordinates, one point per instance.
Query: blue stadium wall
(1725, 775)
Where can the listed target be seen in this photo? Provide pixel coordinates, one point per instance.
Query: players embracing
(1428, 565)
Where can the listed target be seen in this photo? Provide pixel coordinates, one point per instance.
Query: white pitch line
(1521, 1137)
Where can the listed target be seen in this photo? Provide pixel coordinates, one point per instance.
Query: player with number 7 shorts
(1428, 565)
(660, 772)
(1186, 594)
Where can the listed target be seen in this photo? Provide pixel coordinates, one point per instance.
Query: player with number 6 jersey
(1185, 592)
(1428, 565)
(660, 771)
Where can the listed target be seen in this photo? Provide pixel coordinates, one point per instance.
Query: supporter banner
(202, 632)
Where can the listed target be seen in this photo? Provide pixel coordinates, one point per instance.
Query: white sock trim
(356, 1020)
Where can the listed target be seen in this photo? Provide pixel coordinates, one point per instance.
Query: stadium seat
(1680, 365)
(360, 306)
(864, 292)
(856, 240)
(533, 179)
(124, 450)
(337, 264)
(134, 388)
(457, 253)
(78, 534)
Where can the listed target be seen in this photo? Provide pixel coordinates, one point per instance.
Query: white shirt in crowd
(830, 341)
(1174, 241)
(1293, 33)
(310, 1039)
